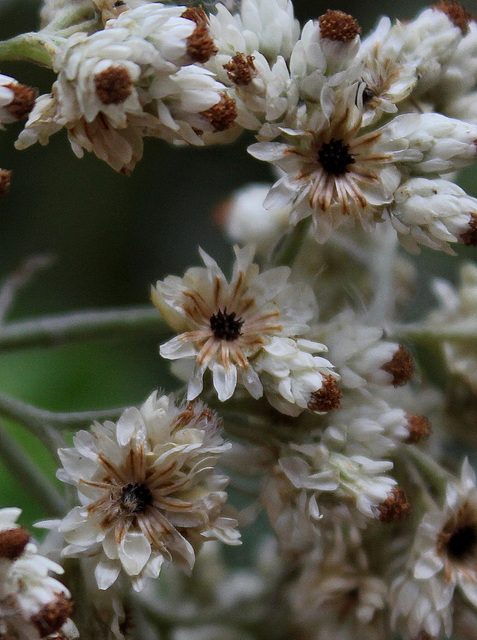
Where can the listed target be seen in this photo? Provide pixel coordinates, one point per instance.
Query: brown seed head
(221, 115)
(5, 180)
(456, 13)
(241, 69)
(13, 542)
(327, 398)
(113, 85)
(469, 237)
(401, 367)
(23, 100)
(396, 506)
(53, 615)
(419, 428)
(200, 45)
(339, 26)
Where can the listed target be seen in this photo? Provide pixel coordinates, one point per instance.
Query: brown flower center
(462, 543)
(337, 25)
(469, 237)
(200, 45)
(401, 367)
(334, 157)
(241, 69)
(53, 615)
(226, 326)
(23, 100)
(327, 398)
(222, 114)
(5, 179)
(456, 13)
(418, 427)
(113, 85)
(396, 506)
(135, 497)
(13, 542)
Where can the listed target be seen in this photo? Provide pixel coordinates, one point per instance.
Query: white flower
(33, 604)
(224, 326)
(432, 213)
(292, 374)
(336, 600)
(443, 558)
(360, 354)
(245, 220)
(147, 489)
(331, 171)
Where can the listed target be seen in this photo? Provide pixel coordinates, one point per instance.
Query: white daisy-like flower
(223, 326)
(360, 354)
(433, 213)
(33, 604)
(332, 171)
(147, 489)
(337, 600)
(443, 558)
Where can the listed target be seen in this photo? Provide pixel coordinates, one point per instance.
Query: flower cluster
(33, 604)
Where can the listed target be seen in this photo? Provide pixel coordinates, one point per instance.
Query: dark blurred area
(112, 236)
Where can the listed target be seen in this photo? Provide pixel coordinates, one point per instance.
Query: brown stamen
(401, 367)
(113, 85)
(53, 615)
(327, 398)
(23, 100)
(456, 13)
(469, 237)
(396, 506)
(241, 69)
(200, 45)
(419, 428)
(221, 115)
(338, 26)
(13, 542)
(5, 180)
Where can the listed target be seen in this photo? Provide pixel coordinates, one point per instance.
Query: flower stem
(426, 332)
(43, 423)
(80, 326)
(430, 468)
(29, 47)
(21, 466)
(289, 246)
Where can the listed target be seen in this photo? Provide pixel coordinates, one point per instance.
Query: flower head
(147, 489)
(224, 326)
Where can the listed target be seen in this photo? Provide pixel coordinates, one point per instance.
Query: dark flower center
(462, 542)
(135, 497)
(225, 326)
(335, 157)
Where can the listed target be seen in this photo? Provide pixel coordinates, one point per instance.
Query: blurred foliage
(112, 236)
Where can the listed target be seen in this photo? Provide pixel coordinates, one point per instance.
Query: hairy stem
(30, 47)
(20, 465)
(80, 326)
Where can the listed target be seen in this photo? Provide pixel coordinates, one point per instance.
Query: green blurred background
(112, 236)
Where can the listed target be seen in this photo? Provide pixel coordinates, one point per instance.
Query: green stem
(21, 466)
(42, 421)
(289, 246)
(428, 467)
(80, 19)
(425, 332)
(80, 326)
(30, 47)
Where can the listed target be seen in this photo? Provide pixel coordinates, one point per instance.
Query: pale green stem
(30, 47)
(40, 421)
(28, 474)
(424, 332)
(437, 475)
(83, 325)
(289, 246)
(382, 267)
(80, 19)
